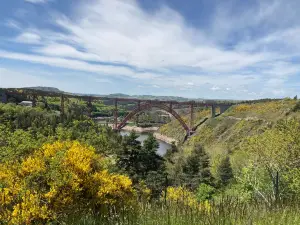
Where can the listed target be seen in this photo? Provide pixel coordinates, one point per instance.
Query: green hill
(223, 135)
(40, 88)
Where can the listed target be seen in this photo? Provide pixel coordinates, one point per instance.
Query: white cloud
(120, 31)
(76, 65)
(37, 1)
(215, 88)
(13, 24)
(29, 38)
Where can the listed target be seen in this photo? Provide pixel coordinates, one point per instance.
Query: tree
(148, 158)
(224, 171)
(196, 169)
(170, 152)
(272, 156)
(142, 163)
(128, 157)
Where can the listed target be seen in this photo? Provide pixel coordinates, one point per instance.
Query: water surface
(163, 146)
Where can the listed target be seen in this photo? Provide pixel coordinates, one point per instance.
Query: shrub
(205, 192)
(57, 179)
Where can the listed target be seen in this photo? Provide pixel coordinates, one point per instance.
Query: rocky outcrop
(140, 129)
(164, 138)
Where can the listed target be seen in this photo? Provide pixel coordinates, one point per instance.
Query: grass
(226, 211)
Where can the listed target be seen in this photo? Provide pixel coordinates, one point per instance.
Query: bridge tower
(90, 106)
(116, 115)
(3, 97)
(62, 107)
(223, 108)
(213, 111)
(191, 128)
(34, 99)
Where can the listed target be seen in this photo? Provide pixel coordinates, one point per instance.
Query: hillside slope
(222, 135)
(176, 131)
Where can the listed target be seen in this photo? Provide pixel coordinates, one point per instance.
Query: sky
(233, 49)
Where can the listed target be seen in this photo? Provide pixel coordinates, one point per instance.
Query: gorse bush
(57, 179)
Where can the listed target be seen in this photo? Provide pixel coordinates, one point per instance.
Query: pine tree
(196, 169)
(224, 172)
(148, 158)
(128, 157)
(142, 163)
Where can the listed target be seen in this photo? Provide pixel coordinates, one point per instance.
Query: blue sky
(196, 48)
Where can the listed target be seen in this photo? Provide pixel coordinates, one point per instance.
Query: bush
(56, 180)
(296, 107)
(205, 192)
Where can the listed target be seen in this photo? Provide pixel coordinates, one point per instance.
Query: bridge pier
(213, 111)
(89, 105)
(45, 102)
(191, 117)
(4, 97)
(116, 115)
(34, 97)
(223, 108)
(62, 107)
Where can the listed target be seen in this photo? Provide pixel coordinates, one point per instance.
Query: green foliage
(24, 129)
(170, 152)
(27, 118)
(296, 107)
(205, 192)
(17, 144)
(274, 151)
(174, 128)
(224, 172)
(225, 211)
(196, 169)
(142, 163)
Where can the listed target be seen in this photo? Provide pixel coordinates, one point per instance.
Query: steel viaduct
(141, 105)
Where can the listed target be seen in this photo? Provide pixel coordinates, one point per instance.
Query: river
(163, 146)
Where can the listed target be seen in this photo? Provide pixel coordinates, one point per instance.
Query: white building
(26, 103)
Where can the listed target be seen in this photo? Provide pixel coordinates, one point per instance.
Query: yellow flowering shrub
(32, 165)
(112, 188)
(30, 209)
(57, 179)
(184, 197)
(265, 107)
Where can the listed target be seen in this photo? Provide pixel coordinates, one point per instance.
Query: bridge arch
(147, 106)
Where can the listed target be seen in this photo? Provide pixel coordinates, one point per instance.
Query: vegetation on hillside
(176, 131)
(241, 167)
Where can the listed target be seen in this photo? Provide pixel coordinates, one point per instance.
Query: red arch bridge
(141, 105)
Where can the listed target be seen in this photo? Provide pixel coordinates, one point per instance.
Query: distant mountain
(40, 88)
(120, 95)
(163, 98)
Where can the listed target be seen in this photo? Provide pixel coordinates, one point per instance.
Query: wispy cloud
(29, 38)
(120, 39)
(37, 1)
